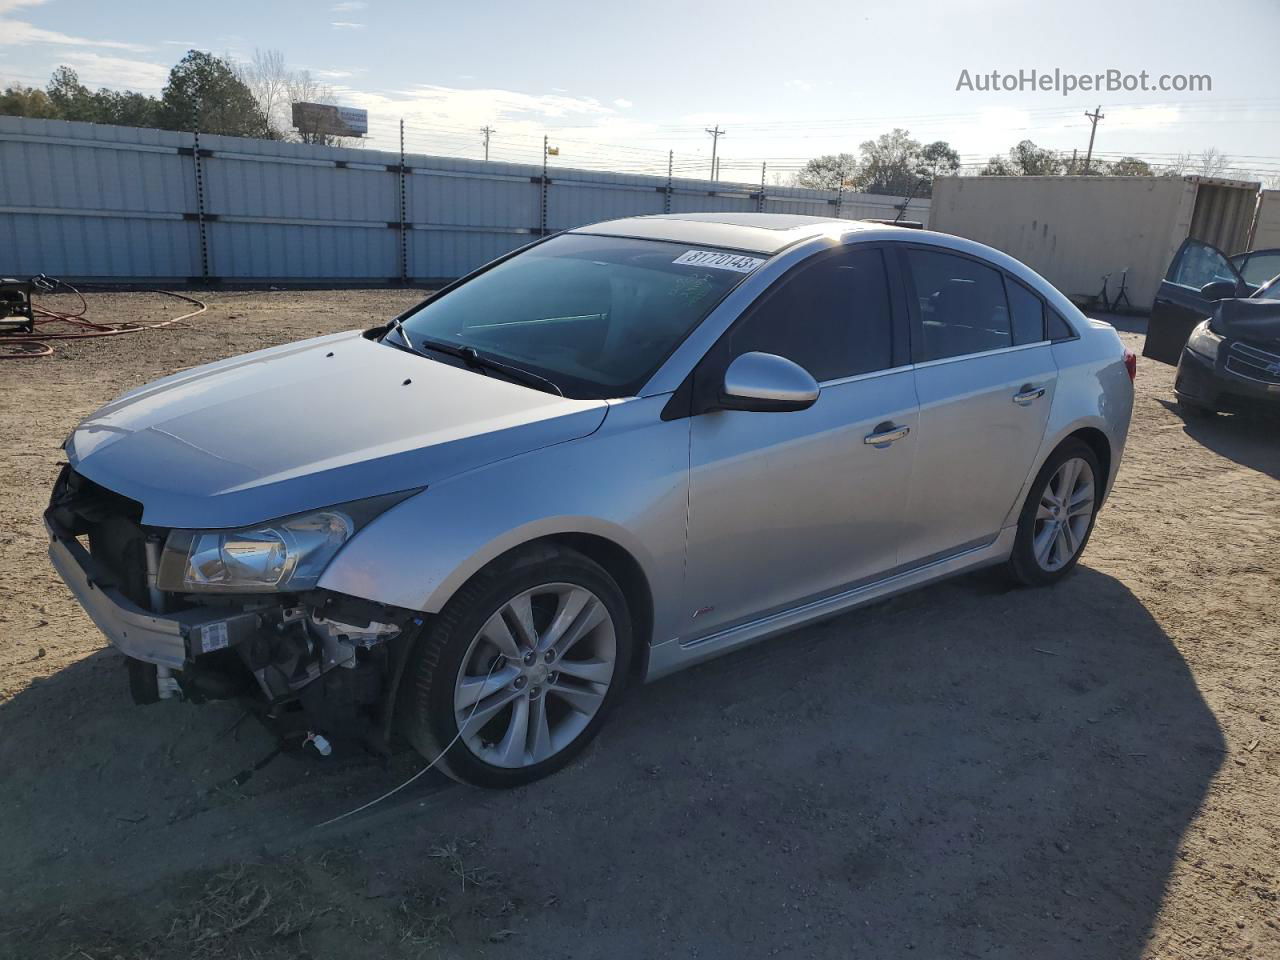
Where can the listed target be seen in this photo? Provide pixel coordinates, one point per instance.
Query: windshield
(595, 315)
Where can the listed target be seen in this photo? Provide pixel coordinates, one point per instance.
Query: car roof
(755, 232)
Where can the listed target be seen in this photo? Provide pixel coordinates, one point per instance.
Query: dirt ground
(1087, 771)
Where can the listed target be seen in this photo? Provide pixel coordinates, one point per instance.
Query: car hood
(309, 425)
(1248, 319)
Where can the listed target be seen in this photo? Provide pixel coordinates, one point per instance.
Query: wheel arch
(1101, 447)
(617, 561)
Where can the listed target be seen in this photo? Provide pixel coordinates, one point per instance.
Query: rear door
(1179, 304)
(985, 377)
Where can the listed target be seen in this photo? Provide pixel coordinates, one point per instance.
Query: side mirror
(767, 383)
(1219, 290)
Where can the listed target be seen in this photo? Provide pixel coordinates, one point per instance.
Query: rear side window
(962, 305)
(1056, 327)
(1028, 313)
(832, 317)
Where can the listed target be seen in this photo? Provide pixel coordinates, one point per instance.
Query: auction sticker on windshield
(719, 261)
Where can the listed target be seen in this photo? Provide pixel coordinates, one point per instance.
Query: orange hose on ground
(29, 346)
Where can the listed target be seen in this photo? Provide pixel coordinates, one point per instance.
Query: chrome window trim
(985, 353)
(869, 375)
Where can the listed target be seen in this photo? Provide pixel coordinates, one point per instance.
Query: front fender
(627, 483)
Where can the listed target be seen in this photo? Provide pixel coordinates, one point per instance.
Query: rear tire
(526, 710)
(1058, 515)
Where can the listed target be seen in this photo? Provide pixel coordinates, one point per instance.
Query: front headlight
(287, 554)
(1204, 341)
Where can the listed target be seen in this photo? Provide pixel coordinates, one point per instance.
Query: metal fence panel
(103, 203)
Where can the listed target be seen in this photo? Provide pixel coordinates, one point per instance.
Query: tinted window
(596, 315)
(1028, 313)
(962, 305)
(832, 318)
(1057, 328)
(1197, 264)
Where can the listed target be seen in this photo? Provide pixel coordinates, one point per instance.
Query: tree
(891, 164)
(268, 79)
(1212, 163)
(204, 93)
(1130, 167)
(303, 88)
(71, 99)
(938, 159)
(998, 167)
(1025, 160)
(829, 172)
(20, 101)
(1032, 161)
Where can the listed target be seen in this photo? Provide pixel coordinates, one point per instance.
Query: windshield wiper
(474, 358)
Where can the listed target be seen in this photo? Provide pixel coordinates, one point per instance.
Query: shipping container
(1266, 228)
(1075, 231)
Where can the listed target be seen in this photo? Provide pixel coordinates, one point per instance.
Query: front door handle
(885, 434)
(1027, 394)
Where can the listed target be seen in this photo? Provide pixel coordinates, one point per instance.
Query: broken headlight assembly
(282, 555)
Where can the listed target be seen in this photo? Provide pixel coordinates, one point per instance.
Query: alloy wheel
(535, 675)
(1064, 514)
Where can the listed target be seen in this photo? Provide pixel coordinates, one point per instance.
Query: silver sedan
(614, 453)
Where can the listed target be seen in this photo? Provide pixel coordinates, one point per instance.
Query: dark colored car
(1218, 319)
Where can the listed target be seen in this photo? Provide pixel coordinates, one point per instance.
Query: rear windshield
(595, 315)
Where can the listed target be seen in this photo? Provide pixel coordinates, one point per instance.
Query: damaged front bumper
(166, 640)
(336, 659)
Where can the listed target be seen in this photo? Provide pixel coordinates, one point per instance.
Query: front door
(1179, 304)
(788, 506)
(985, 378)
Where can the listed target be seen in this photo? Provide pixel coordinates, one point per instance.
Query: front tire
(526, 660)
(1058, 515)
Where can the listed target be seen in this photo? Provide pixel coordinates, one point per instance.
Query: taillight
(1131, 363)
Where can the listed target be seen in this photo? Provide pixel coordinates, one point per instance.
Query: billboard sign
(326, 118)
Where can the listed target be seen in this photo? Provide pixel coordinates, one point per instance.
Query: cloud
(337, 74)
(445, 120)
(19, 33)
(801, 86)
(622, 103)
(348, 6)
(346, 25)
(189, 44)
(96, 70)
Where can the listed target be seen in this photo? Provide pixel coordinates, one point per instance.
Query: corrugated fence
(121, 204)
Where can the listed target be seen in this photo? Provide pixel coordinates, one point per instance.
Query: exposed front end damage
(314, 660)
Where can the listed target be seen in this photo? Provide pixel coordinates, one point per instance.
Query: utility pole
(1074, 151)
(487, 130)
(716, 134)
(1093, 118)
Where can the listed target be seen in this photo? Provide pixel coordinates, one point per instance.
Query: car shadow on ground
(962, 771)
(1250, 439)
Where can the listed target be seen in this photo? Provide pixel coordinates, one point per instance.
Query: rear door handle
(885, 434)
(1027, 394)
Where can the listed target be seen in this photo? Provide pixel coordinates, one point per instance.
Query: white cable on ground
(394, 790)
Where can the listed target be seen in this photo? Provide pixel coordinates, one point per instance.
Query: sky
(618, 85)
